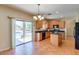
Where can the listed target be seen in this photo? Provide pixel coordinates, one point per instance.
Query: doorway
(23, 32)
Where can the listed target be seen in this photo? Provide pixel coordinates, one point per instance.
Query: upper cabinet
(38, 24)
(45, 24)
(49, 24)
(61, 24)
(53, 22)
(41, 24)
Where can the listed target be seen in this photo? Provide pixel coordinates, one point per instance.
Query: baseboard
(70, 36)
(5, 49)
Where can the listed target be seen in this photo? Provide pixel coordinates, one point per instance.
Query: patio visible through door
(23, 32)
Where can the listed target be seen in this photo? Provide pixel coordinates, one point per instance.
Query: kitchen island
(56, 35)
(56, 38)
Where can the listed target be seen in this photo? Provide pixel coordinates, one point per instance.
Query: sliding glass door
(28, 31)
(23, 32)
(19, 39)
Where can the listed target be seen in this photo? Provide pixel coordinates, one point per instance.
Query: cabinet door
(62, 24)
(38, 36)
(44, 24)
(49, 24)
(38, 24)
(53, 22)
(47, 35)
(54, 40)
(60, 39)
(63, 36)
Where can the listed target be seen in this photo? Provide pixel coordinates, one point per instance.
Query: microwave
(55, 26)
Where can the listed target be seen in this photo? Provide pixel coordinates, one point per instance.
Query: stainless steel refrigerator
(77, 35)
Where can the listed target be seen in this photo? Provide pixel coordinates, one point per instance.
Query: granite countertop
(42, 30)
(50, 30)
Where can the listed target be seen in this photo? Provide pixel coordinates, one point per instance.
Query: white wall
(69, 26)
(5, 33)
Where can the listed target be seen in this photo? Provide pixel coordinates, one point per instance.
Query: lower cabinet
(60, 38)
(38, 36)
(55, 39)
(62, 35)
(41, 36)
(47, 35)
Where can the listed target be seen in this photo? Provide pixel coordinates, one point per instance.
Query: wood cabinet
(47, 35)
(53, 22)
(56, 39)
(45, 24)
(38, 36)
(62, 24)
(41, 24)
(63, 35)
(60, 39)
(49, 24)
(38, 24)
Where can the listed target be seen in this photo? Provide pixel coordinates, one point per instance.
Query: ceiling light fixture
(57, 12)
(38, 16)
(61, 16)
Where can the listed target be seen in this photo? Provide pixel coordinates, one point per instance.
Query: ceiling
(50, 11)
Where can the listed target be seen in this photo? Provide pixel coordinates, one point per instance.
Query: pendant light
(38, 16)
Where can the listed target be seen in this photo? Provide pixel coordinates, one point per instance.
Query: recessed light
(57, 12)
(61, 16)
